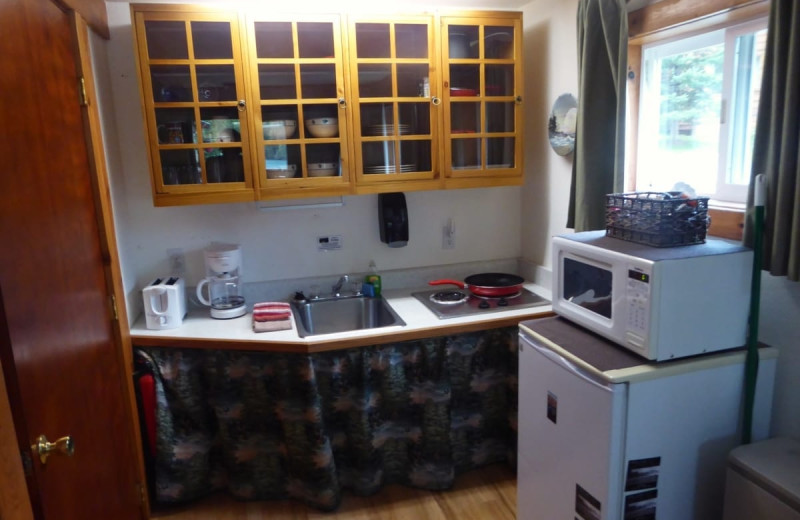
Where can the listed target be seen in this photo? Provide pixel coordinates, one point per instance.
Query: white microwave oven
(661, 303)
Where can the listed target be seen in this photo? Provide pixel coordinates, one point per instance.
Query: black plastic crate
(660, 219)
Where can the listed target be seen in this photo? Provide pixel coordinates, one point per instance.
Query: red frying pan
(487, 284)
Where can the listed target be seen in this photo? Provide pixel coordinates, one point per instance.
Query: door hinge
(114, 307)
(27, 463)
(82, 91)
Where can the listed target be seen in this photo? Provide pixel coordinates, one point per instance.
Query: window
(696, 117)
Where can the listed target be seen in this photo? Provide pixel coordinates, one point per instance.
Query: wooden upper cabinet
(196, 112)
(240, 107)
(396, 103)
(300, 125)
(482, 68)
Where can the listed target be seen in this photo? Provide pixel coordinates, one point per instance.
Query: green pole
(751, 358)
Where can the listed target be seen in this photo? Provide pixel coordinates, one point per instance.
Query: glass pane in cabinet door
(171, 83)
(462, 41)
(372, 40)
(378, 157)
(499, 117)
(498, 42)
(412, 80)
(318, 81)
(212, 40)
(415, 156)
(323, 160)
(166, 40)
(216, 83)
(500, 152)
(377, 119)
(180, 167)
(224, 165)
(279, 122)
(465, 80)
(315, 39)
(277, 81)
(220, 125)
(465, 118)
(415, 118)
(274, 40)
(466, 154)
(321, 120)
(411, 40)
(499, 80)
(175, 125)
(375, 80)
(283, 161)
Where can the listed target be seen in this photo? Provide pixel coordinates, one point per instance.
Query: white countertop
(198, 326)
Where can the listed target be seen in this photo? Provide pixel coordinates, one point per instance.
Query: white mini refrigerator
(605, 434)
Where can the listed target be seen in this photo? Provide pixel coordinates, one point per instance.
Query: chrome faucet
(337, 287)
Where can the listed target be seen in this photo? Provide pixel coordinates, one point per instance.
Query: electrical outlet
(177, 261)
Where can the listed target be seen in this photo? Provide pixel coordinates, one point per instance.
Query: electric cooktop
(453, 303)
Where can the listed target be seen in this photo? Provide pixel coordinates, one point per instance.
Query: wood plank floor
(487, 493)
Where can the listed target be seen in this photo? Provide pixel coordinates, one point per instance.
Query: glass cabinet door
(483, 87)
(395, 99)
(194, 99)
(301, 123)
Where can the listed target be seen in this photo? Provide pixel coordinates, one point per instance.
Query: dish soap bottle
(374, 279)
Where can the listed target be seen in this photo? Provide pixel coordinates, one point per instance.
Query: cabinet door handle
(518, 100)
(241, 105)
(342, 103)
(435, 100)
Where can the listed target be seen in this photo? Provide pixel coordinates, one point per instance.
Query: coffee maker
(223, 268)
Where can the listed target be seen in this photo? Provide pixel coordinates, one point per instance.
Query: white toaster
(165, 303)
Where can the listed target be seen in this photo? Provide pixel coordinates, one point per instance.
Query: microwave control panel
(638, 298)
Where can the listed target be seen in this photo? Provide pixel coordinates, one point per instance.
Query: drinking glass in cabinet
(216, 83)
(212, 40)
(166, 40)
(498, 42)
(180, 167)
(171, 83)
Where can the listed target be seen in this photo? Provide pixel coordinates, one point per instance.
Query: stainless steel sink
(329, 315)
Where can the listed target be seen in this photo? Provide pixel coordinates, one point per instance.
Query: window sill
(727, 220)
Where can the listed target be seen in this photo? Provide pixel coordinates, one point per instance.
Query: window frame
(669, 19)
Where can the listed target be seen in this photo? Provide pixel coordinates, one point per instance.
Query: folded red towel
(271, 316)
(271, 305)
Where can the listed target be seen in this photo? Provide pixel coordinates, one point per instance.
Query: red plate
(463, 92)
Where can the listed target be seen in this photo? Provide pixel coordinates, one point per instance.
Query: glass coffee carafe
(223, 262)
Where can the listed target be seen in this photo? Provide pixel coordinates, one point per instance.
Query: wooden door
(61, 363)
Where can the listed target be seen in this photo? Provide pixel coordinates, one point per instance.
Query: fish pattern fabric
(264, 425)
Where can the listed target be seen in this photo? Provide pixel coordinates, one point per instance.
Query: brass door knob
(44, 448)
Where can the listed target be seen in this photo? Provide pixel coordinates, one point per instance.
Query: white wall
(281, 244)
(550, 70)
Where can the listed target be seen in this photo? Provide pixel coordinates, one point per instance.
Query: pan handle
(449, 282)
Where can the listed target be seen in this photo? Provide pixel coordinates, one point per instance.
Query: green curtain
(599, 157)
(777, 141)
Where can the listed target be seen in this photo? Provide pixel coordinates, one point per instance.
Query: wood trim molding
(676, 16)
(93, 11)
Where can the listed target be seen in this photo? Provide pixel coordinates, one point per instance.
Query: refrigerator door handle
(572, 367)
